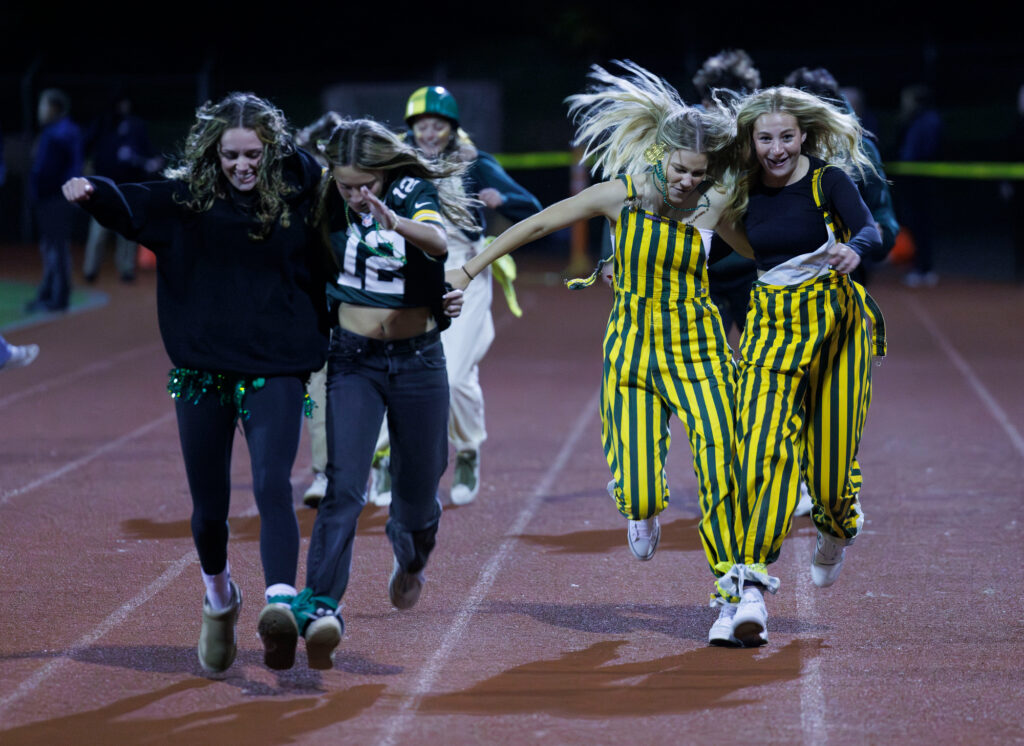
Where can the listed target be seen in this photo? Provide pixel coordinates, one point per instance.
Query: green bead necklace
(390, 253)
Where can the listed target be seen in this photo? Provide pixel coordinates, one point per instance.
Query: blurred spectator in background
(855, 98)
(729, 71)
(121, 151)
(872, 186)
(922, 133)
(727, 76)
(58, 158)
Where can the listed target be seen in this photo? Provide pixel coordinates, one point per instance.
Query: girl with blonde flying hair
(665, 347)
(383, 216)
(804, 383)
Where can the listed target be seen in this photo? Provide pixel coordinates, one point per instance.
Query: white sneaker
(21, 355)
(721, 631)
(827, 560)
(466, 482)
(750, 623)
(643, 537)
(380, 481)
(316, 491)
(806, 504)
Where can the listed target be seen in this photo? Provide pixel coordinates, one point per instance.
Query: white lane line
(813, 716)
(76, 376)
(997, 412)
(65, 656)
(72, 465)
(399, 724)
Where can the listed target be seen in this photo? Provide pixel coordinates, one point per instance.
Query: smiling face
(240, 151)
(777, 141)
(685, 170)
(432, 133)
(350, 181)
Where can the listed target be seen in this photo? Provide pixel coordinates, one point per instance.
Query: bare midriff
(385, 323)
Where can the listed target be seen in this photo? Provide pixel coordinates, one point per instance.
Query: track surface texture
(536, 624)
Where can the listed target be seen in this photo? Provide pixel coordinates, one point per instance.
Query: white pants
(317, 424)
(465, 343)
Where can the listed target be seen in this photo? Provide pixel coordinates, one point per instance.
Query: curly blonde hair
(370, 146)
(200, 167)
(832, 135)
(621, 118)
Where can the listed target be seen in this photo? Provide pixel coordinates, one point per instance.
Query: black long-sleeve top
(784, 222)
(226, 302)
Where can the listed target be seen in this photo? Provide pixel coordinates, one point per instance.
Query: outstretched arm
(601, 199)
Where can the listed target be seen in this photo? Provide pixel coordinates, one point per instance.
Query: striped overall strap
(871, 309)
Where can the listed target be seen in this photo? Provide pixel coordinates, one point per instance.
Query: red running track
(536, 624)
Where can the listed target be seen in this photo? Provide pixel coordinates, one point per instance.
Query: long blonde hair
(622, 120)
(370, 146)
(832, 135)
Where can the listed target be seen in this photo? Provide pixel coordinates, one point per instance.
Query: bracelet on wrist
(467, 272)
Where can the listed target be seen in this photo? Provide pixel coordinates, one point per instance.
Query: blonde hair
(622, 120)
(370, 146)
(832, 135)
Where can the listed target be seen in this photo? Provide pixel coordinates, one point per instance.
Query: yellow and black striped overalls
(802, 398)
(666, 353)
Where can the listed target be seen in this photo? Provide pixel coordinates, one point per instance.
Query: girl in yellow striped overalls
(804, 382)
(665, 347)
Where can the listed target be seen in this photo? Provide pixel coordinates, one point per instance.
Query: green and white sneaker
(316, 491)
(321, 625)
(217, 642)
(466, 481)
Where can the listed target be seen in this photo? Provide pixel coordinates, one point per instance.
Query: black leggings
(272, 431)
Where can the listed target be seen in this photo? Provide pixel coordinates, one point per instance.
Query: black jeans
(272, 431)
(366, 378)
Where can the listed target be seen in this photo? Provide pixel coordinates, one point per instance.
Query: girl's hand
(842, 258)
(77, 189)
(457, 278)
(608, 273)
(491, 197)
(452, 303)
(383, 214)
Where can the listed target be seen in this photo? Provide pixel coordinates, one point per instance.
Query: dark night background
(533, 54)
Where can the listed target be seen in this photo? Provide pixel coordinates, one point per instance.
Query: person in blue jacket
(58, 158)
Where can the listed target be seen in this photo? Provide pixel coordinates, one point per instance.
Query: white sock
(218, 589)
(280, 589)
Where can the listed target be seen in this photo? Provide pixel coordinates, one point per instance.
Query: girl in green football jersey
(385, 213)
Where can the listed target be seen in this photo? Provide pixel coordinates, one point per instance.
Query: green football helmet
(432, 100)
